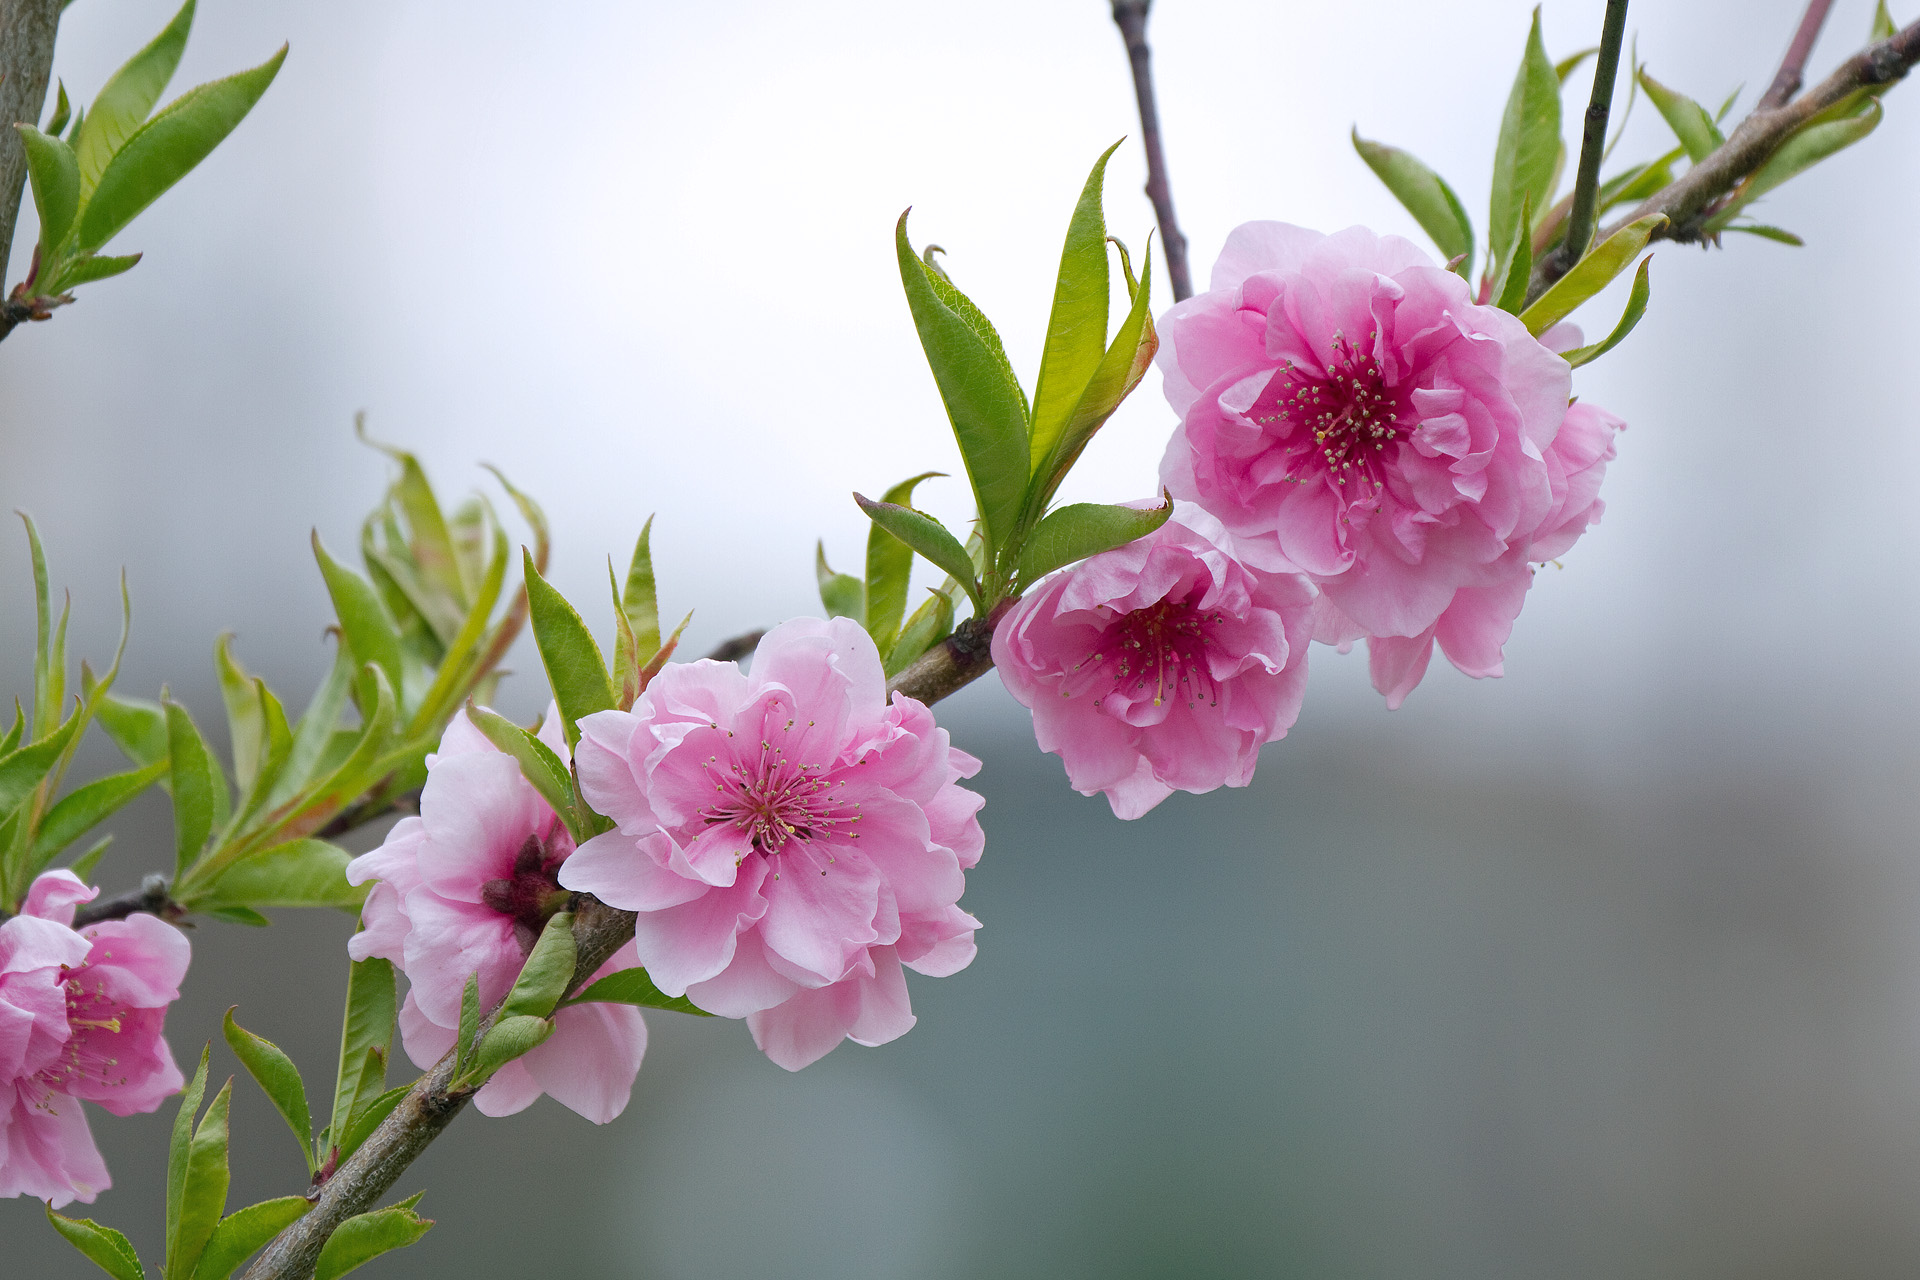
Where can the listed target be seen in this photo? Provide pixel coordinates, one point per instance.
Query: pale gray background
(1607, 968)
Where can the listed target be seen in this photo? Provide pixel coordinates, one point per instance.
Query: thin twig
(1687, 200)
(737, 648)
(1593, 139)
(27, 31)
(150, 898)
(1131, 17)
(1787, 80)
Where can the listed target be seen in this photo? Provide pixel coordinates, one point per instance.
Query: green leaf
(299, 873)
(1768, 233)
(1529, 148)
(366, 761)
(1077, 328)
(1516, 265)
(203, 1196)
(1688, 119)
(1809, 146)
(277, 1077)
(1884, 27)
(316, 727)
(199, 789)
(366, 1236)
(371, 1114)
(463, 656)
(506, 1040)
(11, 738)
(127, 99)
(244, 1232)
(1636, 307)
(1591, 274)
(1571, 63)
(63, 110)
(83, 865)
(47, 675)
(931, 622)
(86, 807)
(430, 545)
(1426, 196)
(364, 620)
(626, 649)
(56, 191)
(1085, 529)
(166, 148)
(982, 397)
(93, 267)
(545, 976)
(890, 562)
(238, 915)
(469, 1024)
(641, 601)
(366, 1036)
(182, 1145)
(246, 718)
(841, 594)
(927, 536)
(25, 768)
(104, 1247)
(546, 771)
(633, 986)
(575, 669)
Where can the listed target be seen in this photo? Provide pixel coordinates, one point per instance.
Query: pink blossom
(465, 888)
(1349, 412)
(1161, 666)
(788, 837)
(81, 1015)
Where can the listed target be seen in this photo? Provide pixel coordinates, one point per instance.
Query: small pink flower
(1161, 666)
(788, 837)
(1348, 411)
(81, 1016)
(465, 888)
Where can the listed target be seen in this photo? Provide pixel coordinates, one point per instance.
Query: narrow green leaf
(366, 1030)
(1590, 275)
(199, 789)
(927, 536)
(1688, 119)
(363, 1238)
(641, 602)
(1636, 307)
(103, 1246)
(181, 1146)
(575, 669)
(86, 807)
(1806, 148)
(367, 761)
(530, 512)
(1571, 63)
(203, 1196)
(1426, 196)
(369, 1118)
(626, 649)
(1883, 28)
(1517, 265)
(1768, 233)
(548, 971)
(25, 768)
(469, 1024)
(977, 385)
(84, 865)
(931, 622)
(277, 1077)
(1529, 147)
(316, 727)
(246, 719)
(1084, 529)
(841, 594)
(890, 563)
(11, 738)
(430, 544)
(633, 986)
(46, 692)
(56, 191)
(166, 148)
(546, 771)
(128, 97)
(1077, 328)
(506, 1040)
(244, 1232)
(63, 110)
(238, 915)
(364, 620)
(300, 873)
(93, 267)
(463, 655)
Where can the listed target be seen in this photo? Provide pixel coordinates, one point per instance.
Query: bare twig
(1593, 139)
(1787, 80)
(1686, 201)
(150, 898)
(27, 30)
(1131, 17)
(737, 648)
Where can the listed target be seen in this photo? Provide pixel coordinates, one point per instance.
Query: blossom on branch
(81, 1015)
(465, 888)
(1160, 666)
(1348, 411)
(788, 837)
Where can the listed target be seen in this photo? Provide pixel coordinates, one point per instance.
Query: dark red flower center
(773, 800)
(1346, 418)
(1160, 650)
(530, 892)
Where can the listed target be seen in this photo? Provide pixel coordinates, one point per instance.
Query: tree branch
(1131, 17)
(1786, 81)
(1593, 140)
(1686, 201)
(27, 31)
(150, 898)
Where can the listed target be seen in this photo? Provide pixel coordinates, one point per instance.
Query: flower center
(774, 800)
(94, 1017)
(1349, 413)
(1162, 649)
(530, 892)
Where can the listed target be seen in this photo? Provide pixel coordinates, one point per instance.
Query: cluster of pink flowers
(1398, 456)
(81, 1014)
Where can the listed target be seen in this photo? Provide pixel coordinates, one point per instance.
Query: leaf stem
(1593, 140)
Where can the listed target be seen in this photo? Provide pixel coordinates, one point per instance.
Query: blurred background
(1610, 967)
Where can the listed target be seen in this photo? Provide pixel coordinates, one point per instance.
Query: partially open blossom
(1161, 666)
(81, 1015)
(788, 837)
(1349, 412)
(465, 888)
